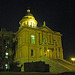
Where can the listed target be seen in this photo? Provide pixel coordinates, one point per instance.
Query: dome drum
(28, 20)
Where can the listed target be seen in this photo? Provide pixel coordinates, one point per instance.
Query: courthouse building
(39, 44)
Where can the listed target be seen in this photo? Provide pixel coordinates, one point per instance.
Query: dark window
(31, 52)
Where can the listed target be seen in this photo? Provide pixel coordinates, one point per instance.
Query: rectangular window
(31, 52)
(39, 37)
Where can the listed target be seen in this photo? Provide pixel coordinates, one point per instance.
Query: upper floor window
(32, 39)
(55, 42)
(45, 40)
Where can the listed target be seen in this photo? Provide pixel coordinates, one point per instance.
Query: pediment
(47, 29)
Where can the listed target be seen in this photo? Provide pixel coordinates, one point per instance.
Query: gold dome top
(28, 20)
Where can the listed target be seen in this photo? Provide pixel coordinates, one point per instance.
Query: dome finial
(28, 10)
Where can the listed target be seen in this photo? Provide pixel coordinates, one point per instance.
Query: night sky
(58, 14)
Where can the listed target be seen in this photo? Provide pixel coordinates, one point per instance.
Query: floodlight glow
(48, 50)
(73, 59)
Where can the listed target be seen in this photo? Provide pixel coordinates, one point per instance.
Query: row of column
(51, 53)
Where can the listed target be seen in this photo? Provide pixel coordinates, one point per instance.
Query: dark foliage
(14, 67)
(6, 45)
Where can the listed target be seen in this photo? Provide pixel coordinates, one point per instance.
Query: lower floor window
(31, 52)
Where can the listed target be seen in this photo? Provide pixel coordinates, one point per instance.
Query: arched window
(32, 39)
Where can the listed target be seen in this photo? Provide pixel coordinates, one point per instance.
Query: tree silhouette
(6, 48)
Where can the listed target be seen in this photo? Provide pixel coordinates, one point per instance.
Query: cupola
(28, 20)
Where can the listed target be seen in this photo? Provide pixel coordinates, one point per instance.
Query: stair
(65, 63)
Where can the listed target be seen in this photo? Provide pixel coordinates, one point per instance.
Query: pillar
(43, 54)
(58, 53)
(39, 53)
(55, 54)
(61, 53)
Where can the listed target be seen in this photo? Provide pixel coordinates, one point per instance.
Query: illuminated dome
(28, 20)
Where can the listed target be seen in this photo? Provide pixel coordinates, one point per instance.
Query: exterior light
(73, 59)
(6, 56)
(6, 53)
(5, 46)
(6, 66)
(48, 50)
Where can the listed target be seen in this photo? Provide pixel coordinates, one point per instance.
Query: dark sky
(58, 14)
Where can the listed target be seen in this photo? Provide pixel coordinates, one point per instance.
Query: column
(55, 54)
(50, 53)
(61, 53)
(43, 54)
(39, 53)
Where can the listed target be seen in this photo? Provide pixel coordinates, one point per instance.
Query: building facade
(36, 43)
